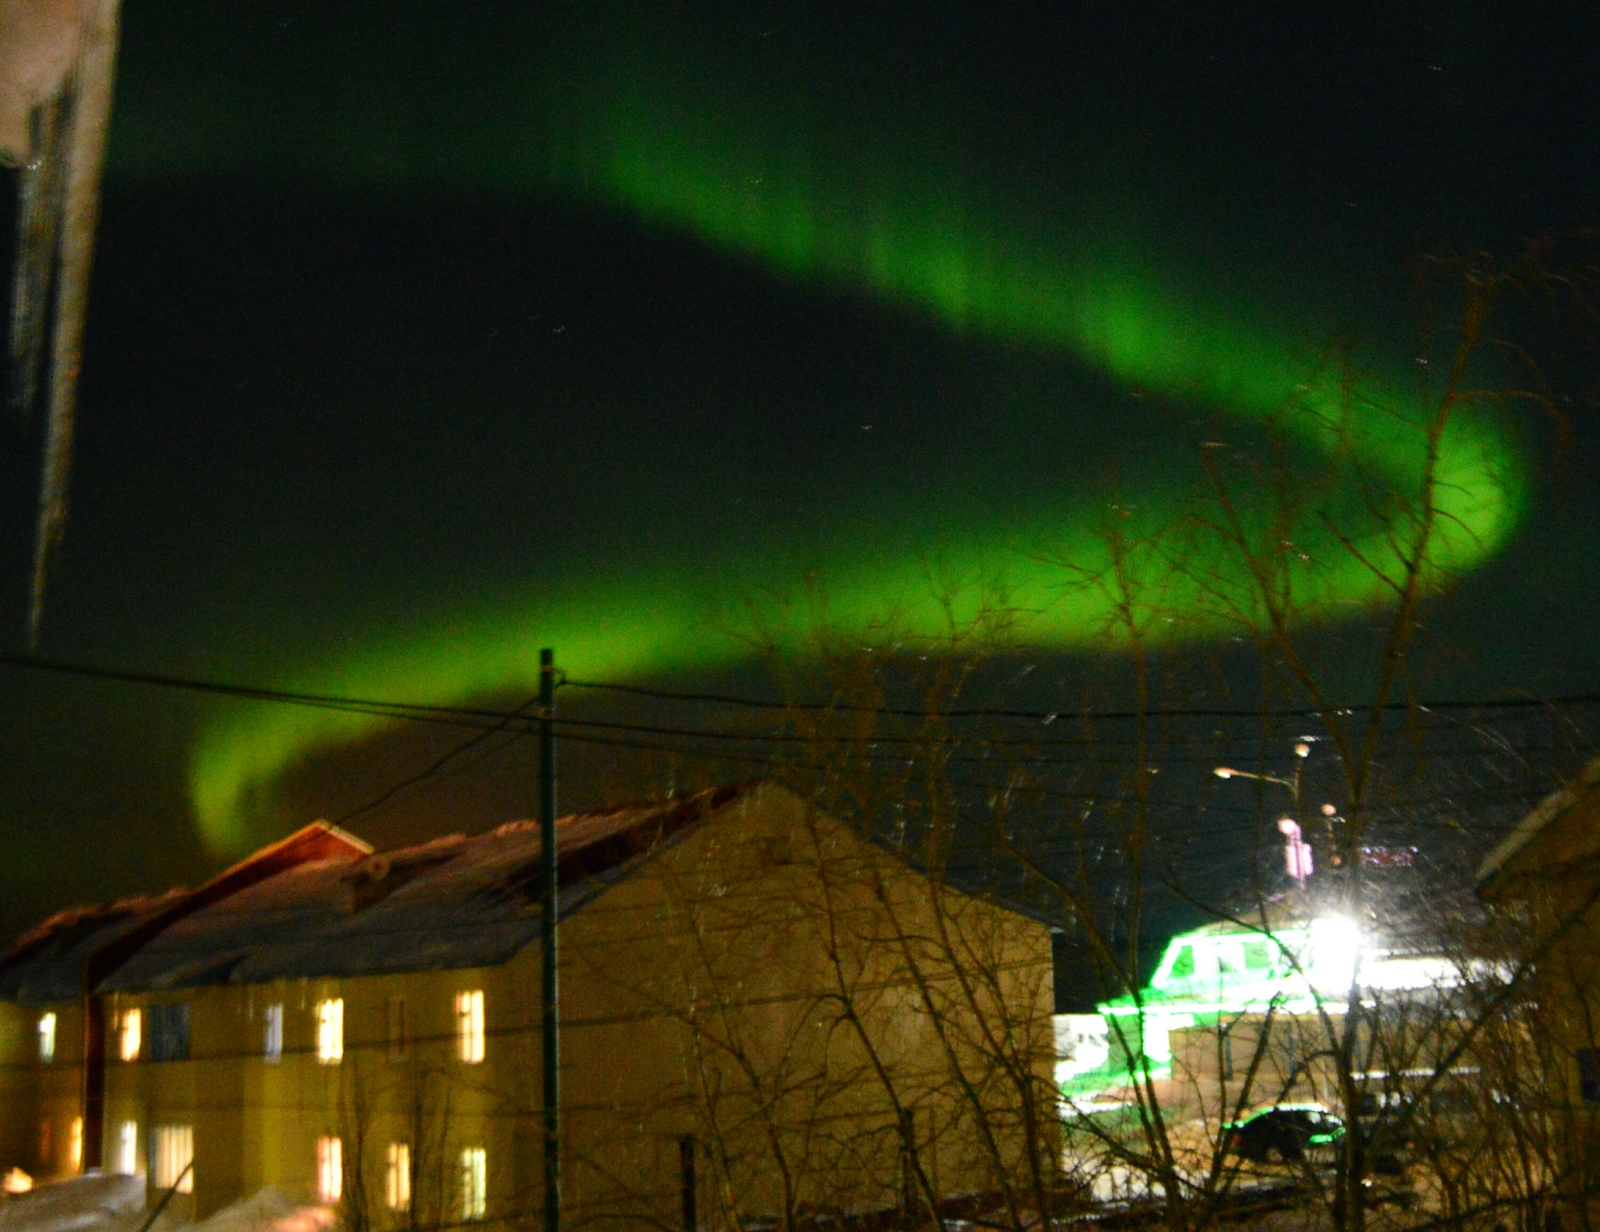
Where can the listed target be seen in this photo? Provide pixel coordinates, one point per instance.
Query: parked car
(1286, 1132)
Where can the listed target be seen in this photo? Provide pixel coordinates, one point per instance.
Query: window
(469, 1026)
(128, 1148)
(330, 1030)
(75, 1145)
(397, 1031)
(1258, 954)
(132, 1029)
(47, 1037)
(330, 1170)
(272, 1032)
(168, 1027)
(474, 1182)
(173, 1150)
(1589, 1075)
(397, 1185)
(1183, 964)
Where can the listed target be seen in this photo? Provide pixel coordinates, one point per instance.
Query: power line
(434, 767)
(670, 738)
(426, 711)
(726, 699)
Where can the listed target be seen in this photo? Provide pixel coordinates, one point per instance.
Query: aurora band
(1101, 302)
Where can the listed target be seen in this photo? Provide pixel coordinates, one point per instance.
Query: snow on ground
(96, 1203)
(83, 1202)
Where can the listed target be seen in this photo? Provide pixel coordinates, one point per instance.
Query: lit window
(174, 1157)
(128, 1148)
(330, 1170)
(330, 1030)
(75, 1144)
(272, 1032)
(474, 1182)
(469, 1026)
(397, 1028)
(132, 1030)
(397, 1188)
(47, 1037)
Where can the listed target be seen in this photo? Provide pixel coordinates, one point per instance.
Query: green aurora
(884, 206)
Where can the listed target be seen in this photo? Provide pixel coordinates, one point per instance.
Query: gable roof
(76, 949)
(455, 902)
(1552, 809)
(45, 964)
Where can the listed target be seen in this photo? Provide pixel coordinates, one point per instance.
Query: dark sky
(409, 316)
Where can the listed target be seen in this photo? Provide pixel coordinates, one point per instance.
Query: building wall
(19, 1088)
(257, 1121)
(1549, 894)
(1232, 1063)
(788, 996)
(782, 991)
(40, 1101)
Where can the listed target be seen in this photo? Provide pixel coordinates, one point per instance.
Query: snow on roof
(451, 903)
(78, 948)
(1547, 810)
(45, 964)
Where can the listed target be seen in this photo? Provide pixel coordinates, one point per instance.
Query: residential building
(1544, 881)
(763, 1012)
(1226, 992)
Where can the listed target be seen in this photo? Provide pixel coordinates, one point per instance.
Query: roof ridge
(1540, 816)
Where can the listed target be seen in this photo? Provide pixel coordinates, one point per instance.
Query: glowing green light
(746, 177)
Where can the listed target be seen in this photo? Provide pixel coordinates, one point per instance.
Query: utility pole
(551, 1025)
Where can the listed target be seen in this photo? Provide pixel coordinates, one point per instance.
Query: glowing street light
(1296, 851)
(1228, 772)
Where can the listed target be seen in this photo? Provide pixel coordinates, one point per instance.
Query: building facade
(1543, 880)
(763, 1015)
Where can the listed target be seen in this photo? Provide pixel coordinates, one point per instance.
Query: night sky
(422, 335)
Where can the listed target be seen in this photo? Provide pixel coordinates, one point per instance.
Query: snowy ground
(97, 1203)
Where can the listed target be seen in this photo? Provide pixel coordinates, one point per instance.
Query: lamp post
(1296, 851)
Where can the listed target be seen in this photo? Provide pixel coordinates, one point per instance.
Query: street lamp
(1296, 851)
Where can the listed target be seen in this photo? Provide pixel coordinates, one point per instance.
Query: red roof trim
(318, 841)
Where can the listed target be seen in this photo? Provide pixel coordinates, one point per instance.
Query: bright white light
(132, 1023)
(469, 1026)
(272, 1032)
(1296, 851)
(1222, 772)
(330, 1170)
(174, 1152)
(128, 1148)
(1082, 1044)
(1335, 949)
(474, 1183)
(330, 1031)
(397, 1184)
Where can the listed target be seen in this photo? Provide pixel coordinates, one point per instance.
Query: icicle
(56, 67)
